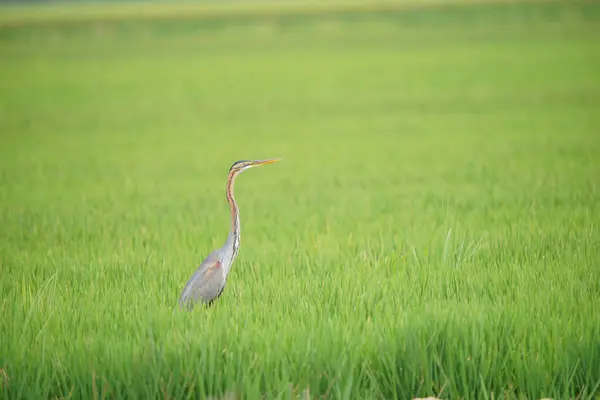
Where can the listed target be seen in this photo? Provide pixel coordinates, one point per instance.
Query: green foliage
(432, 229)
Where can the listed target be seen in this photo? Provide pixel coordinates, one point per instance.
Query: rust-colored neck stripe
(235, 215)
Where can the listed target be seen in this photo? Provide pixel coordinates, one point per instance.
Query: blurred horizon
(258, 5)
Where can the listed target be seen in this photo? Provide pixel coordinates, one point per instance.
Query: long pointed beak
(267, 161)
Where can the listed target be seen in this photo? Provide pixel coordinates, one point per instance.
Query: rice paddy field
(432, 229)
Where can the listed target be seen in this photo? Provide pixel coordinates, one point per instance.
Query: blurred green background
(432, 229)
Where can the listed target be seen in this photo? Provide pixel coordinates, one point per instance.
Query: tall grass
(432, 229)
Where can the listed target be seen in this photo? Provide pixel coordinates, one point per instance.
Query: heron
(208, 281)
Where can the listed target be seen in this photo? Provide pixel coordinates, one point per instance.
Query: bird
(208, 281)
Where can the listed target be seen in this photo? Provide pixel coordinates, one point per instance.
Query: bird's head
(242, 165)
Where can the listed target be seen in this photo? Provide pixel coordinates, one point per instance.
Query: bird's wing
(207, 281)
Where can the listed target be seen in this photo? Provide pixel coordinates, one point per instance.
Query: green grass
(432, 229)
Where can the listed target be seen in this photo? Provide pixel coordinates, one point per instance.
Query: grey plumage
(206, 284)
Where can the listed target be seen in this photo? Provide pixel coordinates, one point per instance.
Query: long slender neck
(233, 240)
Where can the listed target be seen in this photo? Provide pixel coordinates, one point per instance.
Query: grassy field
(433, 228)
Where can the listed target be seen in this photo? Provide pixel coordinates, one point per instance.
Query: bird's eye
(239, 163)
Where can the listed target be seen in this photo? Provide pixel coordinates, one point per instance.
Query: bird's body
(208, 282)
